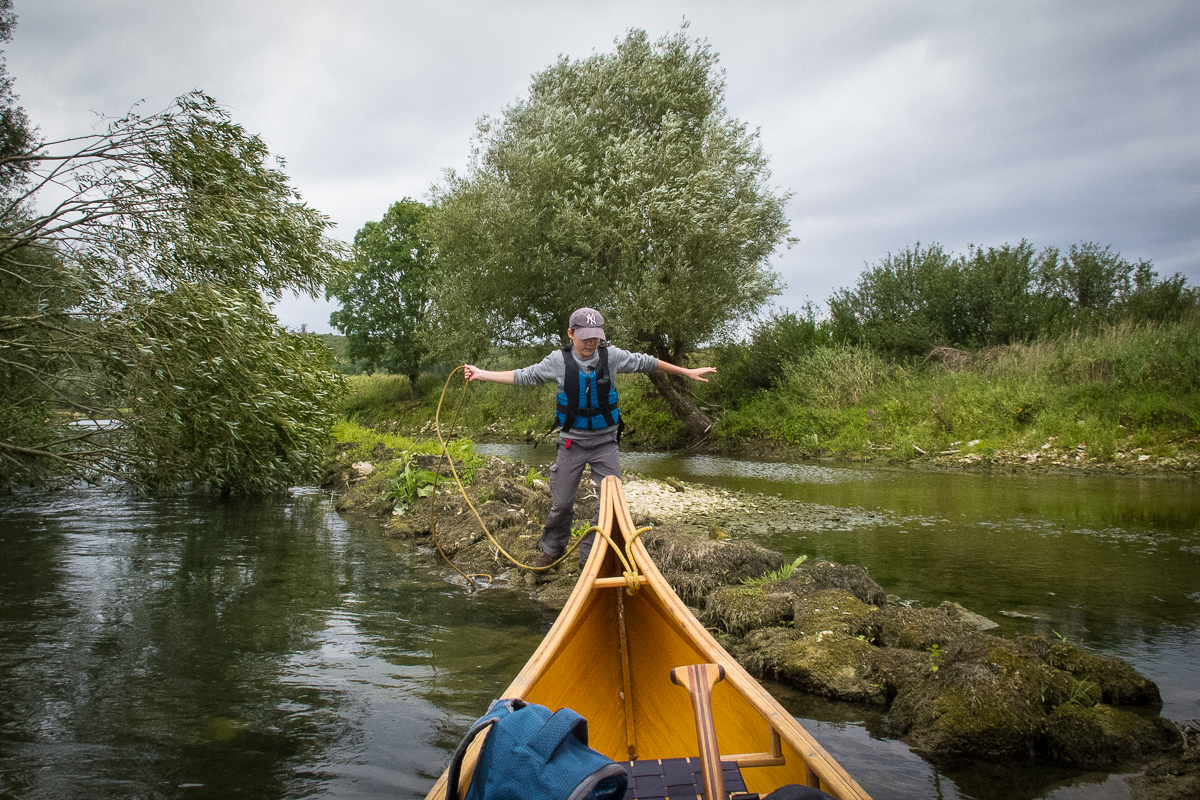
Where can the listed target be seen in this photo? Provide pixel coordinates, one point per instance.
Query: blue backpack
(533, 754)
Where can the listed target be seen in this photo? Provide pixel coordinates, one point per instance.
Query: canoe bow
(609, 656)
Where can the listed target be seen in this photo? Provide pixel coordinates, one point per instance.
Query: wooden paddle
(699, 679)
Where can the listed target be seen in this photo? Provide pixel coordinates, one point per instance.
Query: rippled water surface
(192, 647)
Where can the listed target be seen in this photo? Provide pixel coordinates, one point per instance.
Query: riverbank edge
(1046, 459)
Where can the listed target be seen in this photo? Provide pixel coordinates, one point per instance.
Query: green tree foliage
(619, 183)
(247, 404)
(901, 305)
(1094, 285)
(16, 134)
(386, 297)
(924, 297)
(999, 304)
(134, 263)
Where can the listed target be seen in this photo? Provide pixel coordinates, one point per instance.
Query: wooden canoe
(609, 657)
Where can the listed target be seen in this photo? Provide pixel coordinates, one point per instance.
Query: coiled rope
(445, 456)
(631, 572)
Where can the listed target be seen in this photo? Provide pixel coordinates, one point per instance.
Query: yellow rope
(437, 426)
(445, 456)
(632, 574)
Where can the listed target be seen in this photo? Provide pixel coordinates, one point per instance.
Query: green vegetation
(403, 467)
(936, 654)
(361, 442)
(1116, 395)
(1123, 388)
(342, 361)
(410, 484)
(385, 294)
(622, 182)
(922, 298)
(136, 339)
(783, 573)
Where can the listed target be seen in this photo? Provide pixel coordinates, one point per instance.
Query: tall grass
(1127, 386)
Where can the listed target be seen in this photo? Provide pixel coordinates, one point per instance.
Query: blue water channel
(196, 647)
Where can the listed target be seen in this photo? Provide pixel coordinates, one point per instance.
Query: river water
(193, 647)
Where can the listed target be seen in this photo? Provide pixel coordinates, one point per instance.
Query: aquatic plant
(409, 485)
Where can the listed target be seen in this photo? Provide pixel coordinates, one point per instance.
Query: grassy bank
(1128, 396)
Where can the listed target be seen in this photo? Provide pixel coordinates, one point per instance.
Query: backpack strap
(604, 382)
(457, 759)
(566, 413)
(498, 709)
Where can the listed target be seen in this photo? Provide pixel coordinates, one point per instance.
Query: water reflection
(151, 647)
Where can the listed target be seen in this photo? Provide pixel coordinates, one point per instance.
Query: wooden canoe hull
(609, 657)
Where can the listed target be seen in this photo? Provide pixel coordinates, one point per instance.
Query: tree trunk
(683, 405)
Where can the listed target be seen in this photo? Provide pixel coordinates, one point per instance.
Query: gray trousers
(565, 474)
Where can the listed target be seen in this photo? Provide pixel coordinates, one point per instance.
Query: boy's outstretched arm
(476, 374)
(695, 374)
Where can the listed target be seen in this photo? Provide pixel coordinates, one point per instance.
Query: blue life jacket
(588, 400)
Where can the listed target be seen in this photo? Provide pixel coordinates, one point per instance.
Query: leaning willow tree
(620, 183)
(135, 342)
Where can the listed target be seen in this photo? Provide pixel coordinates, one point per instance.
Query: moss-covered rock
(695, 567)
(1101, 734)
(831, 664)
(739, 609)
(814, 576)
(893, 668)
(966, 617)
(1119, 683)
(834, 610)
(913, 628)
(968, 707)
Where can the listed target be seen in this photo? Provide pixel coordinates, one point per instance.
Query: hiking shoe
(544, 560)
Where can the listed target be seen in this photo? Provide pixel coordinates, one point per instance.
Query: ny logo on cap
(591, 319)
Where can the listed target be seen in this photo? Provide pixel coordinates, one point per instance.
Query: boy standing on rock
(587, 414)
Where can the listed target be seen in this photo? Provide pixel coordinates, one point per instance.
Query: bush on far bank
(1126, 387)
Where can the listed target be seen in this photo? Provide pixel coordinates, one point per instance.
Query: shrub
(760, 363)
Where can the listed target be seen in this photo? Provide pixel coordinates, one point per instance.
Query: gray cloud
(891, 122)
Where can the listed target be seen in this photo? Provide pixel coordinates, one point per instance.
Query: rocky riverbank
(949, 686)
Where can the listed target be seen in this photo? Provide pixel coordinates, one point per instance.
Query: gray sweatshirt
(552, 368)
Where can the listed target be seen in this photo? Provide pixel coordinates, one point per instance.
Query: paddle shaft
(699, 679)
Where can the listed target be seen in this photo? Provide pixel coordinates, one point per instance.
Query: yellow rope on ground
(445, 456)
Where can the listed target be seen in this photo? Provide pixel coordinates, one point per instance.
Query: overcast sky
(892, 122)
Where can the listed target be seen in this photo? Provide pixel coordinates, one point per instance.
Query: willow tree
(620, 183)
(135, 341)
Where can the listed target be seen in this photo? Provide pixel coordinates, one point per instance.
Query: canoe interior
(609, 657)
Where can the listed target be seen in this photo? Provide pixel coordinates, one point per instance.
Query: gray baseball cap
(588, 323)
